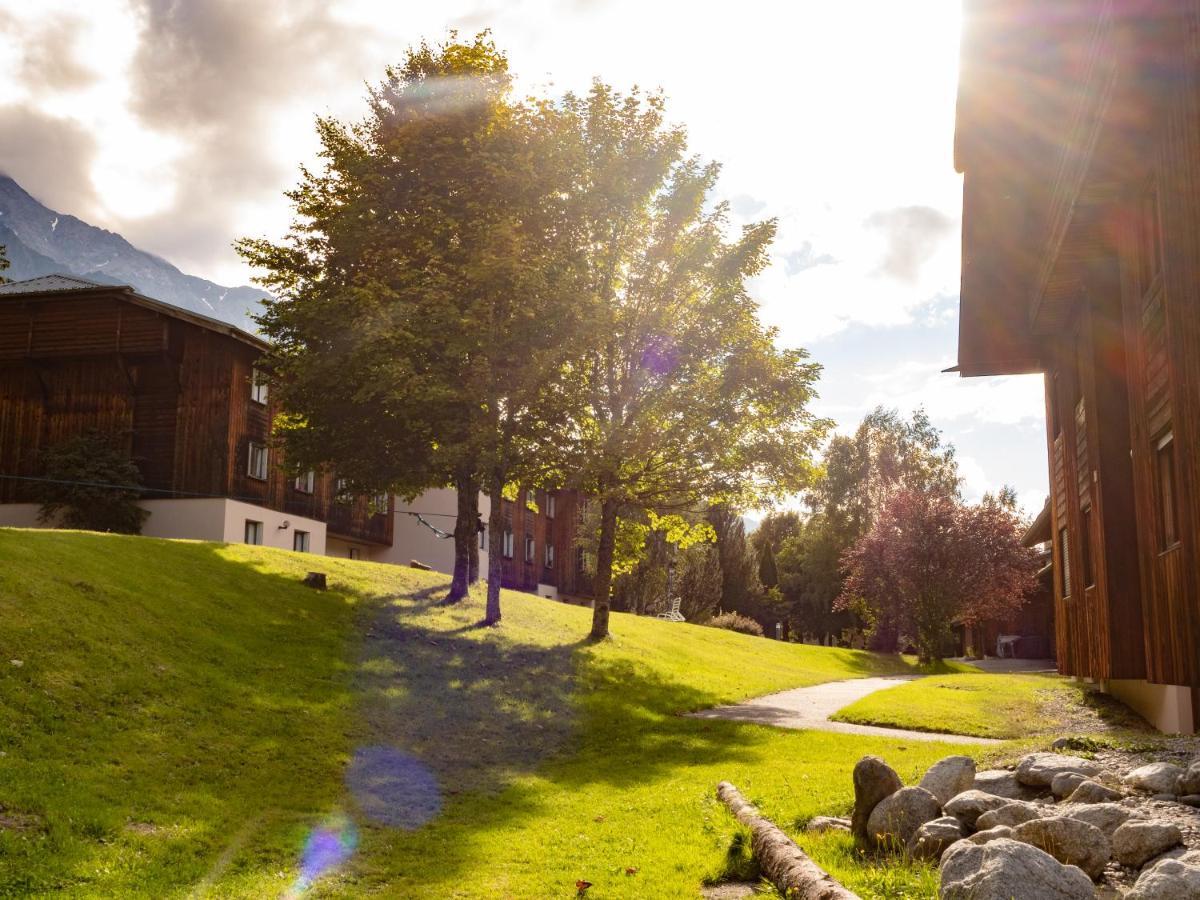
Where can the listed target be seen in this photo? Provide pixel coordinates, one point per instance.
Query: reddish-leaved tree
(930, 562)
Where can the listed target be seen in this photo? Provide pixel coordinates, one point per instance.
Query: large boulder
(1169, 879)
(1156, 778)
(1011, 814)
(1065, 782)
(1002, 783)
(968, 806)
(1189, 781)
(895, 819)
(949, 777)
(1071, 842)
(1094, 792)
(1039, 769)
(1108, 817)
(1136, 843)
(873, 780)
(1004, 869)
(933, 838)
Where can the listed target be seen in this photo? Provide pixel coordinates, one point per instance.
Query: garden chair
(673, 614)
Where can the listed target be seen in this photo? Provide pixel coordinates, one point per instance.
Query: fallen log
(795, 875)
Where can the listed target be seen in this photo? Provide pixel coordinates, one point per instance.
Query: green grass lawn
(981, 705)
(184, 719)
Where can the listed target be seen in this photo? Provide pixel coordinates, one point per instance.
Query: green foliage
(735, 622)
(243, 694)
(92, 485)
(4, 263)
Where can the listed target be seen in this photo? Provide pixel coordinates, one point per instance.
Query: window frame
(301, 537)
(548, 555)
(258, 473)
(255, 528)
(1166, 491)
(507, 543)
(530, 548)
(259, 389)
(550, 504)
(305, 483)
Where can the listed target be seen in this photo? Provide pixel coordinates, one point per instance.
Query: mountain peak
(41, 241)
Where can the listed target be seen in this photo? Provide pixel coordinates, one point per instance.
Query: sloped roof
(48, 283)
(47, 287)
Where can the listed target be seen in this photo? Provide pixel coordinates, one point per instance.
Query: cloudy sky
(179, 123)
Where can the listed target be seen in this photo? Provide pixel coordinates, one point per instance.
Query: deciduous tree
(689, 400)
(930, 561)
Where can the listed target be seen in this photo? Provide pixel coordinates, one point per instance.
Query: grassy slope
(984, 705)
(184, 714)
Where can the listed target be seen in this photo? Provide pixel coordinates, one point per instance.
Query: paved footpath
(811, 707)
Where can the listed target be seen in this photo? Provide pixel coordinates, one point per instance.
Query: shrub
(92, 485)
(735, 622)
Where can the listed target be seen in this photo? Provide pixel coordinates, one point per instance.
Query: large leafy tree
(929, 561)
(887, 453)
(689, 400)
(425, 296)
(4, 263)
(91, 483)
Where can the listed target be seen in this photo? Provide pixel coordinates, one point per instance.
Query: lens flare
(393, 788)
(328, 846)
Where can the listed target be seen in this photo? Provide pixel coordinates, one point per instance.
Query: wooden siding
(175, 393)
(567, 573)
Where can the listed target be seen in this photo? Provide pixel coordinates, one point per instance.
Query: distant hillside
(40, 241)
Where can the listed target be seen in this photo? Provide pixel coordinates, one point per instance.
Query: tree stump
(316, 580)
(795, 875)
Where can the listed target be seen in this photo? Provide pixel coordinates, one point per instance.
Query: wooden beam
(789, 868)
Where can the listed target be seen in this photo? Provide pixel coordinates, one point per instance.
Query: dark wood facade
(554, 524)
(175, 387)
(1079, 140)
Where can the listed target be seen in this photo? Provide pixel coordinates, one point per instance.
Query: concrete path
(811, 707)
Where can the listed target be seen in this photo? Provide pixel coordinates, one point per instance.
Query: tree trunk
(495, 549)
(464, 538)
(781, 860)
(602, 599)
(476, 530)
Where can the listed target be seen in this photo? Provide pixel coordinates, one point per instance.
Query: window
(379, 503)
(254, 532)
(507, 544)
(1089, 574)
(256, 464)
(530, 549)
(304, 483)
(549, 505)
(1164, 478)
(1064, 578)
(354, 553)
(300, 541)
(258, 387)
(483, 539)
(341, 491)
(549, 556)
(531, 498)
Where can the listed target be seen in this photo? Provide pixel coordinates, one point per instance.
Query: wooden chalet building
(179, 390)
(1078, 136)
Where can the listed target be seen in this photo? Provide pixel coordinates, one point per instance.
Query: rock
(1000, 783)
(1169, 879)
(1070, 841)
(873, 780)
(896, 818)
(1165, 798)
(1039, 769)
(1094, 792)
(827, 823)
(1003, 869)
(1189, 781)
(1136, 843)
(1065, 782)
(949, 777)
(1156, 778)
(1011, 814)
(933, 838)
(990, 834)
(1108, 817)
(1191, 800)
(968, 806)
